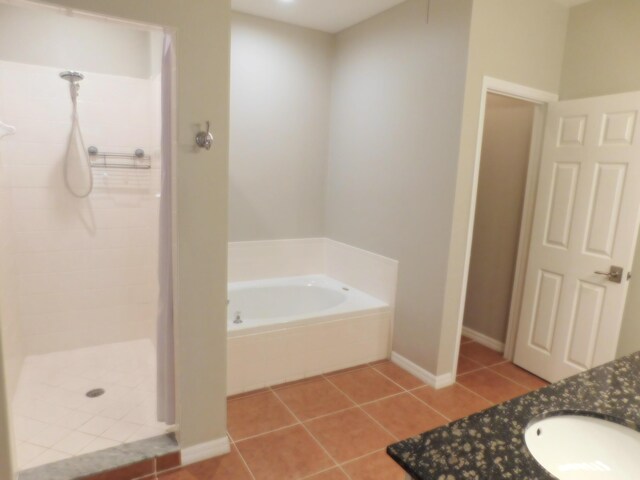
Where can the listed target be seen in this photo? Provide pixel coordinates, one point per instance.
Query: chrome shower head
(71, 76)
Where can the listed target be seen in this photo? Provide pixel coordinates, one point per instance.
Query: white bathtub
(292, 328)
(268, 304)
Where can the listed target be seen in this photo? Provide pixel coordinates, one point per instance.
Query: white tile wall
(366, 271)
(13, 346)
(275, 258)
(86, 268)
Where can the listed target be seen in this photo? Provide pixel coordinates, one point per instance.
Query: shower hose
(76, 136)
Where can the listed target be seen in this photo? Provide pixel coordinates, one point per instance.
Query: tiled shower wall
(86, 268)
(12, 347)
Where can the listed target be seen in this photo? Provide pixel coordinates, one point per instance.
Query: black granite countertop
(490, 445)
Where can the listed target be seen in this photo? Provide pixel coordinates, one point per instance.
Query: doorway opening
(504, 168)
(578, 232)
(505, 182)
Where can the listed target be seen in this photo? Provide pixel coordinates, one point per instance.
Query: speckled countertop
(490, 445)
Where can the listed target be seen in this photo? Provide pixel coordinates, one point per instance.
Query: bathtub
(269, 304)
(286, 329)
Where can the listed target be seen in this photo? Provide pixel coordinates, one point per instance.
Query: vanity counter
(490, 445)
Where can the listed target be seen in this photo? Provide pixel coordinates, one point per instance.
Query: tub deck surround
(299, 327)
(490, 445)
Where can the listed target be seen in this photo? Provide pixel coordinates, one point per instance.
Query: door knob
(614, 275)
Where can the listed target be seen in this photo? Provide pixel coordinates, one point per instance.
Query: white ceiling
(327, 15)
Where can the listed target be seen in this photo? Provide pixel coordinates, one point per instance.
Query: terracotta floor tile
(398, 375)
(454, 402)
(481, 354)
(349, 434)
(491, 386)
(136, 470)
(345, 370)
(247, 394)
(221, 468)
(520, 376)
(377, 362)
(168, 461)
(296, 382)
(378, 466)
(335, 474)
(365, 385)
(286, 454)
(313, 399)
(464, 340)
(250, 416)
(466, 365)
(404, 415)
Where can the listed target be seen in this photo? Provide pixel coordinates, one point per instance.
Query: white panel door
(586, 220)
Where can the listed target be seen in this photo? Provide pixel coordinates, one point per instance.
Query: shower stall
(80, 197)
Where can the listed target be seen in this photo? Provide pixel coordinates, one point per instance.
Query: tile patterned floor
(337, 426)
(53, 418)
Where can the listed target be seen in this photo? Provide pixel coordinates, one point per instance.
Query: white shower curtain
(165, 330)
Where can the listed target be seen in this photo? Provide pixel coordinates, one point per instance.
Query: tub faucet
(238, 318)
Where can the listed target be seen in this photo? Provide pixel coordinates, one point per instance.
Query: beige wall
(503, 174)
(203, 66)
(601, 55)
(71, 44)
(395, 125)
(280, 99)
(520, 41)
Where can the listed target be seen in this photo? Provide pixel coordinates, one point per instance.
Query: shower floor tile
(53, 418)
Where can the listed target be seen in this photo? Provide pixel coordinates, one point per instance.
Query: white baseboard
(205, 451)
(482, 339)
(427, 377)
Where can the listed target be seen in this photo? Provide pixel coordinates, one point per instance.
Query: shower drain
(96, 392)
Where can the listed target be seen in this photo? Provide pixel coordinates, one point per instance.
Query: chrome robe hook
(205, 139)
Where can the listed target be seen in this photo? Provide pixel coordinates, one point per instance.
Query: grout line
(358, 405)
(449, 420)
(269, 431)
(480, 365)
(396, 383)
(493, 404)
(379, 424)
(340, 466)
(384, 450)
(334, 467)
(388, 397)
(336, 464)
(244, 462)
(529, 389)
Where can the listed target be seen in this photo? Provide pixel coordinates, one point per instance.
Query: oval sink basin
(573, 447)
